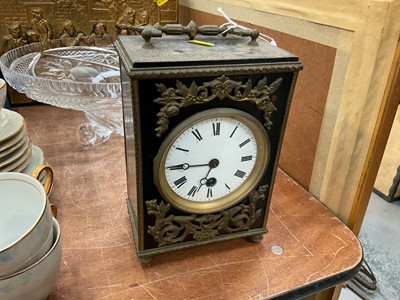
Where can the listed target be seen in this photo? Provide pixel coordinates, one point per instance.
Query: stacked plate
(17, 153)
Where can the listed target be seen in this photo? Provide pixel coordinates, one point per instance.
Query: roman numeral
(181, 181)
(197, 134)
(247, 158)
(216, 128)
(227, 186)
(209, 193)
(233, 132)
(244, 143)
(181, 149)
(240, 174)
(192, 191)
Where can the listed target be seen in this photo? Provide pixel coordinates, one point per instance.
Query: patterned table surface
(99, 259)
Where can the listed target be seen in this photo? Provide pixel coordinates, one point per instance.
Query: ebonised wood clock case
(173, 80)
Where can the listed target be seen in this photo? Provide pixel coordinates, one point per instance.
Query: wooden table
(99, 259)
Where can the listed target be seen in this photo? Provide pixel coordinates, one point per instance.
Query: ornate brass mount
(171, 229)
(222, 87)
(147, 32)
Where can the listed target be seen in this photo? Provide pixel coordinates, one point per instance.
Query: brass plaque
(33, 21)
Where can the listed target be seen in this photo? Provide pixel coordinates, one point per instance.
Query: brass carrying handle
(147, 32)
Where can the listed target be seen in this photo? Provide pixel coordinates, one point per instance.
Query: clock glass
(212, 160)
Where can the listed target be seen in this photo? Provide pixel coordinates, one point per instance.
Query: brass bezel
(263, 154)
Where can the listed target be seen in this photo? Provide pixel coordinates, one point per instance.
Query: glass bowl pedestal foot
(98, 128)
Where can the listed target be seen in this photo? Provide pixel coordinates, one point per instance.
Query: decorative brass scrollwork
(173, 99)
(170, 229)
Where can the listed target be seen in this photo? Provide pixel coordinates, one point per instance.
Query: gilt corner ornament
(173, 99)
(171, 229)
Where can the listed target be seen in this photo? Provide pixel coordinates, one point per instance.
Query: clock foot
(256, 238)
(145, 259)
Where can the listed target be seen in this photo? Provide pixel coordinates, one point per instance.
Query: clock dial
(212, 160)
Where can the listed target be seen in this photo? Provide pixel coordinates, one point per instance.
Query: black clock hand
(179, 167)
(204, 180)
(212, 164)
(185, 166)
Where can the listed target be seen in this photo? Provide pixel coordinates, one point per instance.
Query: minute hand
(185, 166)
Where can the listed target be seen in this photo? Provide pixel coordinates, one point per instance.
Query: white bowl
(25, 220)
(40, 253)
(37, 281)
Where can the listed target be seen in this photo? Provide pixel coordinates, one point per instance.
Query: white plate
(14, 124)
(15, 155)
(13, 140)
(18, 144)
(37, 159)
(21, 163)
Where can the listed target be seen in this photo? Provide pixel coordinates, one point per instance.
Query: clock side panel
(281, 100)
(280, 120)
(131, 118)
(166, 102)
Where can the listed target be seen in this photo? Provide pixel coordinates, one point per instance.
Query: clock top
(170, 51)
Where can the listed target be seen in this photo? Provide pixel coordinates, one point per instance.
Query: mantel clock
(203, 132)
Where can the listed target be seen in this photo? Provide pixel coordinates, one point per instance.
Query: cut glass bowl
(74, 77)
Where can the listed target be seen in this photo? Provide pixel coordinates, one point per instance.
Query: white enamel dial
(212, 161)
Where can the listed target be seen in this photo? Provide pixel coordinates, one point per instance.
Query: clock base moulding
(146, 256)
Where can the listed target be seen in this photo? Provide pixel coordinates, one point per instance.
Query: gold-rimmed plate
(11, 142)
(21, 163)
(13, 126)
(13, 148)
(15, 155)
(37, 159)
